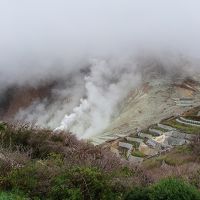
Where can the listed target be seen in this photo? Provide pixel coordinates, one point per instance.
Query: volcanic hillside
(148, 104)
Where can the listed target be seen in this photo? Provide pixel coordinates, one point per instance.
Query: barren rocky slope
(155, 100)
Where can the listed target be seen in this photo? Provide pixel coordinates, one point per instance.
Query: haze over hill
(82, 59)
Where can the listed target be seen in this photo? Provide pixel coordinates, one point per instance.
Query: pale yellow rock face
(147, 150)
(161, 139)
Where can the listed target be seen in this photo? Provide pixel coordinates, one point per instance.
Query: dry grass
(192, 112)
(40, 143)
(185, 171)
(176, 157)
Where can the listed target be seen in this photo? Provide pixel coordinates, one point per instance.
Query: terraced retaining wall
(187, 123)
(190, 120)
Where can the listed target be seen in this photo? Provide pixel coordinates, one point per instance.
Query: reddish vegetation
(22, 97)
(146, 87)
(40, 143)
(192, 112)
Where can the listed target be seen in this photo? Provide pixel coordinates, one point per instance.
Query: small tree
(138, 193)
(175, 189)
(2, 126)
(82, 183)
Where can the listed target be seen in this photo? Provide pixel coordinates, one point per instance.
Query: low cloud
(55, 41)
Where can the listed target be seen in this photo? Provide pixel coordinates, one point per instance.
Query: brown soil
(21, 98)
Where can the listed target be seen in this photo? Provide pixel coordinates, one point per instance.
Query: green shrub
(138, 154)
(24, 179)
(138, 194)
(81, 183)
(34, 179)
(11, 196)
(2, 126)
(47, 181)
(173, 189)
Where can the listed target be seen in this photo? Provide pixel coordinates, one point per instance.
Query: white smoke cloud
(64, 97)
(108, 83)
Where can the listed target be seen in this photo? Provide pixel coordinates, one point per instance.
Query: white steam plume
(63, 98)
(108, 83)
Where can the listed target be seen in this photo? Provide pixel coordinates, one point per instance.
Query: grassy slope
(182, 127)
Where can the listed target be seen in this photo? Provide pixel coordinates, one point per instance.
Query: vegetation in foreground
(38, 164)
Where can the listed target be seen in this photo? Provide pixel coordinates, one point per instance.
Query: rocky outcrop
(127, 146)
(155, 131)
(131, 139)
(135, 160)
(144, 135)
(165, 127)
(146, 150)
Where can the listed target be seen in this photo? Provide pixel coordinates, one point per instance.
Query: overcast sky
(48, 31)
(48, 39)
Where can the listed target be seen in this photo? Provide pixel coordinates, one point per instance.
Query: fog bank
(97, 49)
